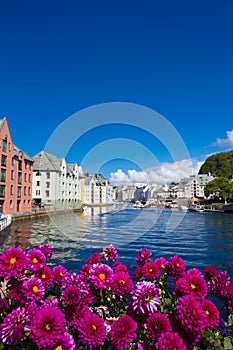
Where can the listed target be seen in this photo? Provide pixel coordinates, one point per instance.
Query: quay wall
(41, 212)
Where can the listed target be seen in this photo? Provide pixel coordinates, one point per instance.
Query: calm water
(199, 238)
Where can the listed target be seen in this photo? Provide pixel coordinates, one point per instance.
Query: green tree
(220, 187)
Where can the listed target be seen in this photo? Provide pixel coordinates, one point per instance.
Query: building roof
(46, 161)
(17, 150)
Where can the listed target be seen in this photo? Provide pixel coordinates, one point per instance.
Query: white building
(55, 182)
(196, 185)
(98, 190)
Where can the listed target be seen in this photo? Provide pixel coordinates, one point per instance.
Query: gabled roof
(17, 150)
(46, 161)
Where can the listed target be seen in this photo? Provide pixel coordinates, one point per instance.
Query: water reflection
(200, 239)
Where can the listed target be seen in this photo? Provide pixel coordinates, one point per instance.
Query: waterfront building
(15, 176)
(98, 190)
(194, 188)
(56, 183)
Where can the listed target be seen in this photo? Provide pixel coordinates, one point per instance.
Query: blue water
(199, 238)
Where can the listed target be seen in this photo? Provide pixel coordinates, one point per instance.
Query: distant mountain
(219, 164)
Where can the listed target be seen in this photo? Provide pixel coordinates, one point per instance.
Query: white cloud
(228, 141)
(164, 174)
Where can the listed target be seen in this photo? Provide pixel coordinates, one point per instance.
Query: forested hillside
(219, 164)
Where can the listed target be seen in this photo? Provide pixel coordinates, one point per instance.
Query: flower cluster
(160, 305)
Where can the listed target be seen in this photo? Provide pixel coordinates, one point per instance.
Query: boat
(183, 208)
(5, 221)
(138, 205)
(228, 208)
(196, 208)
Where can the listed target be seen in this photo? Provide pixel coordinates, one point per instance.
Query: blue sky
(174, 57)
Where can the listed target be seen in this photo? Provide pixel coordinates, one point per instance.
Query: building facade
(98, 190)
(56, 183)
(16, 175)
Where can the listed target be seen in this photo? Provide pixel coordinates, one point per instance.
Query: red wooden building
(16, 169)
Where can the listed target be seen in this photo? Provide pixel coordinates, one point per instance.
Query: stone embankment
(44, 212)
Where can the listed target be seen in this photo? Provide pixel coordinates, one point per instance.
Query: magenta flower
(91, 330)
(119, 267)
(16, 291)
(3, 305)
(33, 289)
(67, 343)
(110, 253)
(36, 260)
(48, 327)
(192, 319)
(122, 284)
(101, 276)
(59, 274)
(138, 273)
(156, 324)
(150, 271)
(175, 266)
(94, 259)
(161, 263)
(143, 256)
(45, 275)
(46, 250)
(217, 281)
(170, 341)
(75, 313)
(145, 297)
(123, 332)
(14, 326)
(12, 262)
(85, 271)
(212, 313)
(192, 283)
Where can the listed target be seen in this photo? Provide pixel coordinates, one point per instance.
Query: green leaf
(227, 344)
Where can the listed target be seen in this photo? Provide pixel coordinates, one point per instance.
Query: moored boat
(5, 221)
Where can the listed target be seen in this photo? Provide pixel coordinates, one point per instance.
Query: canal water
(199, 238)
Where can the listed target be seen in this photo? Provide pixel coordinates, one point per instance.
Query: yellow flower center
(35, 289)
(35, 260)
(12, 261)
(102, 276)
(207, 312)
(61, 274)
(150, 270)
(43, 276)
(122, 282)
(58, 347)
(162, 266)
(193, 286)
(93, 327)
(47, 327)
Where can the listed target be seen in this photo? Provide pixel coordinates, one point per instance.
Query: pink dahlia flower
(110, 253)
(91, 330)
(59, 274)
(45, 275)
(101, 276)
(156, 324)
(122, 284)
(46, 250)
(212, 313)
(150, 271)
(192, 283)
(33, 289)
(36, 260)
(170, 341)
(145, 297)
(48, 327)
(123, 332)
(12, 262)
(143, 256)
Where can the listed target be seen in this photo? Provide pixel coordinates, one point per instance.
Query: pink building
(16, 170)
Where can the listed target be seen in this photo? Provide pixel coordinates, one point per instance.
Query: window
(47, 184)
(12, 190)
(4, 145)
(37, 192)
(12, 174)
(19, 192)
(25, 177)
(13, 161)
(38, 173)
(2, 190)
(3, 161)
(29, 177)
(29, 191)
(11, 204)
(37, 183)
(47, 193)
(20, 165)
(19, 178)
(3, 175)
(48, 175)
(25, 190)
